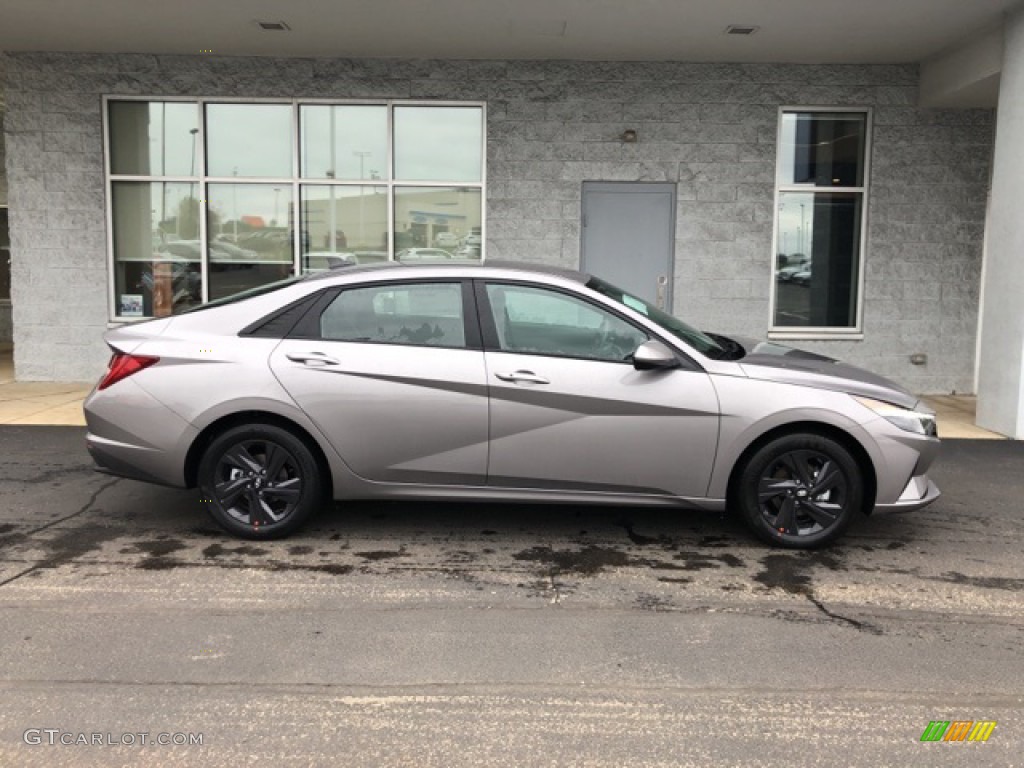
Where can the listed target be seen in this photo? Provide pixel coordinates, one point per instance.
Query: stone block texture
(709, 128)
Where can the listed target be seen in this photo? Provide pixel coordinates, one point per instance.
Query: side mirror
(654, 356)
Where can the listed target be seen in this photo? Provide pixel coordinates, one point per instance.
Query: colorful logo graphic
(958, 730)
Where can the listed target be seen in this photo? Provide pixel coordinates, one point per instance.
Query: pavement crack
(81, 510)
(861, 626)
(59, 558)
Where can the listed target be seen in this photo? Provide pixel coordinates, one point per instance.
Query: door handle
(312, 358)
(529, 376)
(662, 282)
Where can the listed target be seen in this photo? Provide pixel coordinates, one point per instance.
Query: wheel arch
(841, 436)
(248, 417)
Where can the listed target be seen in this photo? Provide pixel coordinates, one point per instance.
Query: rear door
(393, 375)
(569, 411)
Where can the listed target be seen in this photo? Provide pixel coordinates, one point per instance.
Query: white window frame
(855, 332)
(293, 182)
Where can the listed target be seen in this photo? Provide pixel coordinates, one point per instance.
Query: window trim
(851, 333)
(293, 182)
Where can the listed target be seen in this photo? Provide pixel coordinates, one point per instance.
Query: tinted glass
(816, 274)
(423, 314)
(536, 321)
(438, 143)
(248, 245)
(154, 138)
(822, 149)
(445, 218)
(5, 256)
(249, 140)
(344, 142)
(350, 222)
(156, 248)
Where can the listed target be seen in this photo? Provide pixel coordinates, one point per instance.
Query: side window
(537, 321)
(417, 314)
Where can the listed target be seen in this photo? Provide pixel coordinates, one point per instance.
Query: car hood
(769, 361)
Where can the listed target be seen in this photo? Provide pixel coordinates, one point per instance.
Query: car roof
(462, 268)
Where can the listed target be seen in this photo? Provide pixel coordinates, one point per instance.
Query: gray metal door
(629, 234)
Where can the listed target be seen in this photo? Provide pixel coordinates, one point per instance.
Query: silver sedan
(497, 381)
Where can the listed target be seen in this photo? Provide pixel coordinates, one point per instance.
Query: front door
(570, 412)
(629, 237)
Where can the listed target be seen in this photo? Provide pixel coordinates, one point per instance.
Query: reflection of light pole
(332, 242)
(362, 191)
(234, 201)
(803, 230)
(277, 192)
(193, 131)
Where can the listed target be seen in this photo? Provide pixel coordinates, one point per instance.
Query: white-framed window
(207, 197)
(821, 187)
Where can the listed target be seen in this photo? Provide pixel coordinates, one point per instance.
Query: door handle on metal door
(662, 282)
(529, 376)
(312, 358)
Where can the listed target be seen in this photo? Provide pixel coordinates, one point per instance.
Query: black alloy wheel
(259, 481)
(800, 491)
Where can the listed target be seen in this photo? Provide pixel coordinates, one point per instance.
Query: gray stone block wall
(709, 128)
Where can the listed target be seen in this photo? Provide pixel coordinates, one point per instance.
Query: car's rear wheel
(800, 490)
(260, 481)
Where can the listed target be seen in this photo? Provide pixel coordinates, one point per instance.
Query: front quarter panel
(752, 408)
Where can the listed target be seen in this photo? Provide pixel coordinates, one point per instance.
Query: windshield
(702, 342)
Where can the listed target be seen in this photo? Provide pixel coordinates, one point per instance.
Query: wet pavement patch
(785, 572)
(583, 562)
(216, 550)
(988, 582)
(381, 554)
(635, 537)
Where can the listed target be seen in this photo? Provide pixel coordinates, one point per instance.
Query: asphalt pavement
(500, 635)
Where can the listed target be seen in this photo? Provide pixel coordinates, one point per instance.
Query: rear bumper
(131, 435)
(920, 492)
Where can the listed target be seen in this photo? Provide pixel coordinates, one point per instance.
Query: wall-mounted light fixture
(628, 136)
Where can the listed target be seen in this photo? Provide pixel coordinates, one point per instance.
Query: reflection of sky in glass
(796, 222)
(249, 139)
(438, 143)
(360, 136)
(233, 201)
(839, 144)
(153, 138)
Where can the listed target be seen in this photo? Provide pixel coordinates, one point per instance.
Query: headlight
(910, 421)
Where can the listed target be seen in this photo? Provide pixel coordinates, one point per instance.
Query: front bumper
(920, 492)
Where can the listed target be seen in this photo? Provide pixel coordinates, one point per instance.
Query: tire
(264, 468)
(800, 491)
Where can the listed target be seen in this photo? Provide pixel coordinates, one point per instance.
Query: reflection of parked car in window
(803, 277)
(785, 274)
(422, 254)
(473, 240)
(467, 252)
(446, 240)
(325, 260)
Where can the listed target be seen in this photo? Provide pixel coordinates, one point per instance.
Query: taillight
(122, 366)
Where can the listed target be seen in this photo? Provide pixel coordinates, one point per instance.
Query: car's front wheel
(259, 481)
(800, 490)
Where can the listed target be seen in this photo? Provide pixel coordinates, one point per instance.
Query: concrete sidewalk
(60, 404)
